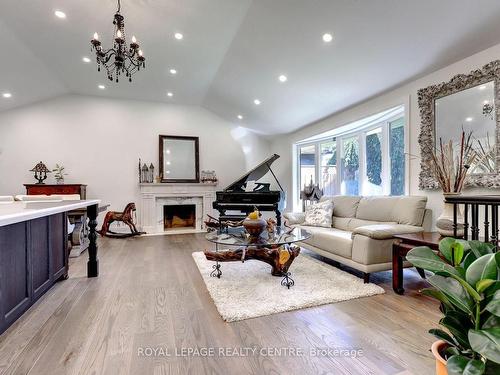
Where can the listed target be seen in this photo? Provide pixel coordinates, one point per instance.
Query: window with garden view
(369, 160)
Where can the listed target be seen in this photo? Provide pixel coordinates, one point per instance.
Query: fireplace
(179, 216)
(155, 196)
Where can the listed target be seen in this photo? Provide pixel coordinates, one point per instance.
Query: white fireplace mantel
(154, 196)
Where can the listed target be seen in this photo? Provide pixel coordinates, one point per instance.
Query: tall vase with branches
(450, 165)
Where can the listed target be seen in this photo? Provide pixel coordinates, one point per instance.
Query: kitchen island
(33, 251)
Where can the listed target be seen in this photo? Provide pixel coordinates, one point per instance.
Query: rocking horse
(126, 217)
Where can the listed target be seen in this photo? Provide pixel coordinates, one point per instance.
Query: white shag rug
(248, 290)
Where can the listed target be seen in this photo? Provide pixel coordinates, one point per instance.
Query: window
(350, 166)
(373, 160)
(328, 167)
(397, 154)
(362, 158)
(307, 165)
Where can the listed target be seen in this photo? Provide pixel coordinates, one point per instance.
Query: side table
(403, 244)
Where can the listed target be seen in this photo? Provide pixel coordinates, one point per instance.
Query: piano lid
(254, 175)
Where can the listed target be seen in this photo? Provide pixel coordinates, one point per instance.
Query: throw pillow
(319, 214)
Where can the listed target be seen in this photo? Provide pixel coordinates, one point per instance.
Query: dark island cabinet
(33, 256)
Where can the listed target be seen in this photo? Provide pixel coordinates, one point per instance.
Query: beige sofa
(362, 229)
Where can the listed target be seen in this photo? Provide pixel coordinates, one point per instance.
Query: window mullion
(386, 160)
(318, 165)
(362, 162)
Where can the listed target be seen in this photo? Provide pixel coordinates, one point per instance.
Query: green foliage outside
(374, 159)
(351, 157)
(397, 151)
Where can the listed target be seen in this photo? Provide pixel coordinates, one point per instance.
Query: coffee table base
(287, 280)
(216, 272)
(270, 256)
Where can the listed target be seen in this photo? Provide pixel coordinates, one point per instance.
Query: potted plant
(59, 174)
(450, 167)
(466, 281)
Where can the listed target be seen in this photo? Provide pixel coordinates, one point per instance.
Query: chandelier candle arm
(119, 60)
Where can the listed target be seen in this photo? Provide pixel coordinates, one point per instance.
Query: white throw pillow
(319, 214)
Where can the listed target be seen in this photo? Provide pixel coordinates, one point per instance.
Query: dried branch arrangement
(450, 169)
(485, 158)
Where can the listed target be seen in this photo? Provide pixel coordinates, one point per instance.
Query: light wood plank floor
(151, 295)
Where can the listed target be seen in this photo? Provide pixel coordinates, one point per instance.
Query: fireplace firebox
(179, 216)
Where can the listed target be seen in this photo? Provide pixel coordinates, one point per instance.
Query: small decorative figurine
(40, 172)
(271, 226)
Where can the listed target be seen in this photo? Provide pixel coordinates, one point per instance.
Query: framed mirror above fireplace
(179, 159)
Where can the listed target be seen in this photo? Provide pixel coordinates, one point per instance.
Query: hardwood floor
(150, 295)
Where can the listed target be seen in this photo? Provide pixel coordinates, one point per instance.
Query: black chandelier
(120, 59)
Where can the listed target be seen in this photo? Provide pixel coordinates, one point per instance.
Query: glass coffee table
(276, 249)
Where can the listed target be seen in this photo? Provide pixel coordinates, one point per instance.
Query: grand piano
(236, 198)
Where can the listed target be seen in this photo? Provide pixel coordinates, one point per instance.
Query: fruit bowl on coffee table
(254, 224)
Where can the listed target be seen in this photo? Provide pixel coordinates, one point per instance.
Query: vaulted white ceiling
(234, 50)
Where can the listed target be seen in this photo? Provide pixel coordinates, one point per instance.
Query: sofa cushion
(343, 205)
(386, 231)
(366, 250)
(295, 217)
(319, 214)
(403, 210)
(356, 223)
(341, 223)
(330, 239)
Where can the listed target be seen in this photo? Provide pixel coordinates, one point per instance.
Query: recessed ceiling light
(327, 38)
(169, 94)
(486, 102)
(256, 102)
(7, 95)
(178, 36)
(283, 78)
(60, 14)
(469, 119)
(168, 163)
(173, 71)
(102, 87)
(482, 87)
(86, 59)
(240, 117)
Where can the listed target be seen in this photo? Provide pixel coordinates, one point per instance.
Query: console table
(403, 244)
(59, 189)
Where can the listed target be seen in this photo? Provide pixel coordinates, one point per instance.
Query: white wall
(99, 141)
(406, 94)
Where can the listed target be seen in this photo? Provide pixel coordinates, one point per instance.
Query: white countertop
(16, 212)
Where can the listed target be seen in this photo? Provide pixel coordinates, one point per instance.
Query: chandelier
(120, 59)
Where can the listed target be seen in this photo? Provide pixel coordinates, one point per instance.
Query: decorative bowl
(254, 227)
